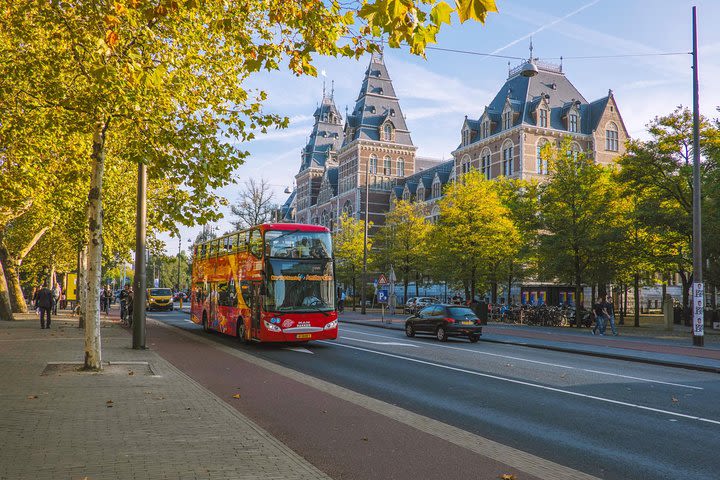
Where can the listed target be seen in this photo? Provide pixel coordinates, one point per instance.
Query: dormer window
(611, 137)
(387, 132)
(507, 119)
(543, 118)
(485, 129)
(573, 122)
(420, 194)
(466, 136)
(392, 112)
(436, 188)
(406, 195)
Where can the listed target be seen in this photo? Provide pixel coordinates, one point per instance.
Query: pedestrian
(44, 301)
(341, 302)
(130, 301)
(610, 309)
(56, 292)
(106, 298)
(601, 316)
(124, 293)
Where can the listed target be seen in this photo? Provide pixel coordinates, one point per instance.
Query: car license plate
(467, 323)
(304, 335)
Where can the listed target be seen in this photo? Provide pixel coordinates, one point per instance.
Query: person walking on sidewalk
(601, 316)
(129, 306)
(45, 303)
(610, 309)
(56, 292)
(123, 304)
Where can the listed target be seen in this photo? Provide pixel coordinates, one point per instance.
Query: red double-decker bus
(270, 283)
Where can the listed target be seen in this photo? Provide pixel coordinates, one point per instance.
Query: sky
(438, 91)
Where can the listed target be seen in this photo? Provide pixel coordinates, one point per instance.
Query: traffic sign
(382, 280)
(382, 295)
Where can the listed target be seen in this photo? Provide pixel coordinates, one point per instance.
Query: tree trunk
(6, 312)
(686, 283)
(93, 349)
(493, 292)
(578, 292)
(12, 275)
(636, 291)
(623, 298)
(593, 292)
(509, 290)
(405, 289)
(417, 285)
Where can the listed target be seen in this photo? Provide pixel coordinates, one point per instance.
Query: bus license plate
(304, 335)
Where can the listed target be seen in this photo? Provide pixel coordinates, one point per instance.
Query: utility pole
(139, 281)
(365, 235)
(698, 302)
(179, 250)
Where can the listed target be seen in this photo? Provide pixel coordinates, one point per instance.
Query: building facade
(536, 105)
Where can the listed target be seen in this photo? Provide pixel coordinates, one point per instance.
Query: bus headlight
(271, 327)
(331, 325)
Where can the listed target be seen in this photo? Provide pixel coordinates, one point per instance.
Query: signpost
(698, 306)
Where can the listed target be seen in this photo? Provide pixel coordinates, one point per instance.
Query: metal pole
(698, 288)
(179, 250)
(139, 281)
(365, 235)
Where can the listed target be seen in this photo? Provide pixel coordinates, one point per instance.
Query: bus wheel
(205, 322)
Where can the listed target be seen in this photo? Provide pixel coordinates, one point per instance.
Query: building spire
(323, 89)
(531, 49)
(332, 89)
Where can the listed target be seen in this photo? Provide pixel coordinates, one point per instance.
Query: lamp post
(365, 235)
(178, 260)
(698, 301)
(139, 281)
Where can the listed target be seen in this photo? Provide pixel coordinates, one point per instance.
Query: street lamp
(365, 235)
(698, 302)
(178, 260)
(139, 281)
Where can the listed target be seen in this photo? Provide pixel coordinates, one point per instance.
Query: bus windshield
(297, 244)
(300, 285)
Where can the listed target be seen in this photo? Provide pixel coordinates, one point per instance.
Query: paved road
(607, 418)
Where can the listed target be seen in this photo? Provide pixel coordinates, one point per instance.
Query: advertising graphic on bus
(271, 283)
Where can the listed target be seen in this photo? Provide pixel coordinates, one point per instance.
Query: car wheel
(409, 330)
(441, 334)
(474, 337)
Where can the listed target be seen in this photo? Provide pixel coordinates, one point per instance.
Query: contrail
(543, 27)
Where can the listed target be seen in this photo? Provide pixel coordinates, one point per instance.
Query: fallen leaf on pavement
(507, 476)
(675, 400)
(364, 439)
(237, 395)
(131, 372)
(31, 397)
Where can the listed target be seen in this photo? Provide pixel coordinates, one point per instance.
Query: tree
(576, 219)
(162, 82)
(401, 242)
(255, 205)
(477, 235)
(660, 170)
(348, 247)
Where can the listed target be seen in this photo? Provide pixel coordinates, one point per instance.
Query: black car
(445, 321)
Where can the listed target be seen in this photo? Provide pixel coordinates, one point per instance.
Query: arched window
(387, 166)
(406, 194)
(573, 122)
(485, 162)
(574, 151)
(465, 164)
(543, 117)
(400, 167)
(611, 137)
(507, 156)
(387, 132)
(435, 214)
(373, 165)
(325, 218)
(420, 193)
(347, 208)
(541, 165)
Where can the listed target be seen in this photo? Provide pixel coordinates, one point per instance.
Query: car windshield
(296, 244)
(461, 313)
(300, 285)
(160, 292)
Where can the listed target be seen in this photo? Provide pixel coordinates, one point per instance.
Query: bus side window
(230, 247)
(203, 250)
(222, 294)
(256, 243)
(239, 247)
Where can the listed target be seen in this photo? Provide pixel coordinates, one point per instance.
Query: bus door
(256, 304)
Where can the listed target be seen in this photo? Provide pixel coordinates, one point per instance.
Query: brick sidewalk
(125, 423)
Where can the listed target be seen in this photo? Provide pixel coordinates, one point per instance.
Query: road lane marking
(299, 349)
(548, 364)
(528, 384)
(397, 344)
(513, 457)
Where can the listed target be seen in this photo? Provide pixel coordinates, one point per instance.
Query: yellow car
(159, 299)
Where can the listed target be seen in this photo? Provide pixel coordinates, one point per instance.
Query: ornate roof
(326, 137)
(375, 105)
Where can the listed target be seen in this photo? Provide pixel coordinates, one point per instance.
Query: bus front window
(297, 244)
(300, 285)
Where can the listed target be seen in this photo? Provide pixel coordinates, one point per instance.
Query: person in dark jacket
(45, 304)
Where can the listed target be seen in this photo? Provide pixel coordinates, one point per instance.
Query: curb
(577, 351)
